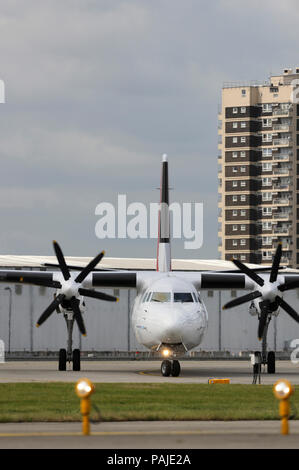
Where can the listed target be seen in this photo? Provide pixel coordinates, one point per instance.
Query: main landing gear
(69, 355)
(267, 358)
(170, 367)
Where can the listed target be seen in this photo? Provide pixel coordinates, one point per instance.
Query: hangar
(109, 324)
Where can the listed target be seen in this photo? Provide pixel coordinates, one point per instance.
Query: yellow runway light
(84, 388)
(283, 390)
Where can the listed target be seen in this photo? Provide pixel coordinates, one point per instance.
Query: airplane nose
(171, 329)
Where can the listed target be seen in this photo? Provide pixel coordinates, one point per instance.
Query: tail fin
(163, 255)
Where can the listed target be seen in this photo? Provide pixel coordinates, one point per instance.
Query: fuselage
(169, 314)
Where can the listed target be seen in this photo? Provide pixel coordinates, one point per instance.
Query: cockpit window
(161, 297)
(183, 297)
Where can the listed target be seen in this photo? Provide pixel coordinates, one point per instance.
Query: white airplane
(168, 315)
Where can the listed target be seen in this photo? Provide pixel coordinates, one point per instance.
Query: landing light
(84, 388)
(283, 389)
(166, 352)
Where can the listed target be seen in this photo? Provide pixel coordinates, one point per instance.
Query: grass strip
(28, 402)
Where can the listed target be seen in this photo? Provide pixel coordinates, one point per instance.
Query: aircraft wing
(135, 264)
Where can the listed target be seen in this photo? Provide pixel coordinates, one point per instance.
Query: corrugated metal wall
(108, 324)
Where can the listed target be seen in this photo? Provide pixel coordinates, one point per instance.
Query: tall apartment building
(259, 170)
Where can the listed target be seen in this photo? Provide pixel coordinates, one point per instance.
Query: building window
(243, 110)
(243, 140)
(235, 110)
(267, 152)
(235, 243)
(243, 228)
(235, 213)
(243, 242)
(243, 125)
(235, 125)
(267, 211)
(235, 198)
(243, 257)
(243, 213)
(266, 182)
(243, 154)
(267, 196)
(235, 228)
(243, 198)
(267, 108)
(235, 184)
(235, 169)
(267, 166)
(235, 140)
(267, 226)
(235, 154)
(243, 92)
(243, 169)
(243, 183)
(267, 122)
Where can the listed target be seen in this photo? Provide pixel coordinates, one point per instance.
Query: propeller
(69, 289)
(268, 292)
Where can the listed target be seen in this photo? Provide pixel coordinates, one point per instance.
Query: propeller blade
(288, 308)
(62, 264)
(255, 277)
(52, 307)
(262, 324)
(288, 286)
(84, 273)
(41, 282)
(97, 295)
(78, 315)
(276, 261)
(242, 300)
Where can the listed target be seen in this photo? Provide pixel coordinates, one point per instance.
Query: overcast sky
(98, 90)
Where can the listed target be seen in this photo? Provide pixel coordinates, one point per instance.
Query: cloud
(97, 91)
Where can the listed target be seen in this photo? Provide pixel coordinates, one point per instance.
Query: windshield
(183, 297)
(161, 297)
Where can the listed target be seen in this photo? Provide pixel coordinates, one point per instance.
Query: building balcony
(282, 157)
(281, 171)
(281, 112)
(282, 186)
(282, 142)
(281, 201)
(281, 127)
(281, 231)
(282, 216)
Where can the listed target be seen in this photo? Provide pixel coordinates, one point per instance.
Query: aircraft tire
(76, 360)
(271, 362)
(62, 359)
(166, 368)
(175, 368)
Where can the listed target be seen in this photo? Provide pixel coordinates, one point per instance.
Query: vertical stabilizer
(163, 255)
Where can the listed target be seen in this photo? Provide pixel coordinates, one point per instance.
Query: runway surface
(147, 435)
(150, 435)
(239, 372)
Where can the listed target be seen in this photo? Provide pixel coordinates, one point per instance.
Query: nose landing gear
(170, 368)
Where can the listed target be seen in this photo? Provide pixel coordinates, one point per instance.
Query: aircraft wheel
(62, 359)
(271, 362)
(166, 368)
(175, 369)
(76, 359)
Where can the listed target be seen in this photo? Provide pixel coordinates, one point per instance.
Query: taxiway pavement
(239, 372)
